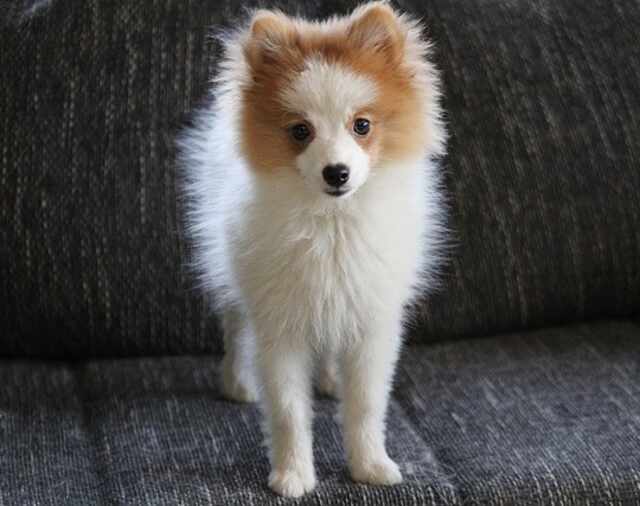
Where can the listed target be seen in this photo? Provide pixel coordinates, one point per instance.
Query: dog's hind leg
(238, 375)
(327, 381)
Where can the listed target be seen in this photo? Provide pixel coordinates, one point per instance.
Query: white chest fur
(321, 272)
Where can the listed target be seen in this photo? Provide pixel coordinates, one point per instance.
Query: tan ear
(269, 32)
(376, 27)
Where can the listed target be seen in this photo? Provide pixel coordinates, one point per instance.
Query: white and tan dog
(315, 208)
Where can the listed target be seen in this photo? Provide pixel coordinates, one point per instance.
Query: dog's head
(333, 101)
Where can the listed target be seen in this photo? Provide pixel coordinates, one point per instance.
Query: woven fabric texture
(539, 418)
(542, 176)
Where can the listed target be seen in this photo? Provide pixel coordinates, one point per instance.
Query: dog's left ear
(376, 27)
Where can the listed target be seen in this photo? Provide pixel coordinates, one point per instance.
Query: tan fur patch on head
(370, 43)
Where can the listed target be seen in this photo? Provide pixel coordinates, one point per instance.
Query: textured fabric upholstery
(542, 103)
(547, 417)
(543, 181)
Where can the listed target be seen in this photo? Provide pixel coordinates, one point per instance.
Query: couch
(520, 380)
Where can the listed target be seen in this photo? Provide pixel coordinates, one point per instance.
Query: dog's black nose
(336, 175)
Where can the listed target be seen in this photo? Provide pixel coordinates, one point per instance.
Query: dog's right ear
(269, 33)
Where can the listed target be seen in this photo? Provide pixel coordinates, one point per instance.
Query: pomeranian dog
(315, 208)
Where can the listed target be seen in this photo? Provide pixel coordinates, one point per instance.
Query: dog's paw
(328, 385)
(380, 471)
(236, 390)
(292, 482)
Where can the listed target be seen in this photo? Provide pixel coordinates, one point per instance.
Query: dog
(315, 207)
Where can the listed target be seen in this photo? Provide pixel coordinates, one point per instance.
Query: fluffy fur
(308, 281)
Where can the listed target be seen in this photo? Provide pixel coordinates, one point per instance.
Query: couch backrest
(543, 171)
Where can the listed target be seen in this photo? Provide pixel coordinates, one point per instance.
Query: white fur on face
(328, 96)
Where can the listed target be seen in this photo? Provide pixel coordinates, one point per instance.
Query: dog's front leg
(367, 371)
(285, 372)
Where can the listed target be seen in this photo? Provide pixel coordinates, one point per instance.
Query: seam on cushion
(88, 427)
(440, 467)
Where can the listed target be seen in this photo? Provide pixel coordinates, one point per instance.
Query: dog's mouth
(338, 192)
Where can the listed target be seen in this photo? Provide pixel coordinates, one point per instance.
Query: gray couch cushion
(545, 417)
(542, 99)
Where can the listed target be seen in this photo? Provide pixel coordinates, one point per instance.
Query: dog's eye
(361, 126)
(300, 132)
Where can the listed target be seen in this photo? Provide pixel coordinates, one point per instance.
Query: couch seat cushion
(545, 417)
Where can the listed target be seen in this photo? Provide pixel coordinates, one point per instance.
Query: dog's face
(333, 128)
(331, 102)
